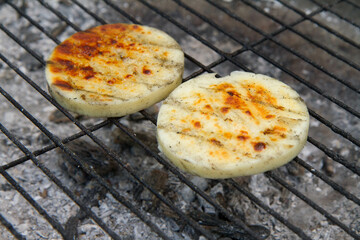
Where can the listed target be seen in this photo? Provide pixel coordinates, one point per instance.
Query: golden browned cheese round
(115, 69)
(238, 125)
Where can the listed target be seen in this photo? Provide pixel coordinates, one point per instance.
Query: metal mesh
(334, 93)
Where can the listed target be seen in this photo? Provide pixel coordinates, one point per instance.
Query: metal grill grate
(311, 45)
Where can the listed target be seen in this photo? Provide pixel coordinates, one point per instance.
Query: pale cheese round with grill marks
(238, 125)
(114, 69)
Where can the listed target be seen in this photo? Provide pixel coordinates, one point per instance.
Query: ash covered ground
(121, 220)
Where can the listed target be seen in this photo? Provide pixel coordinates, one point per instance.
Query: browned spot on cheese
(64, 63)
(199, 99)
(87, 50)
(232, 99)
(197, 124)
(186, 130)
(259, 93)
(75, 57)
(207, 106)
(88, 72)
(242, 137)
(120, 45)
(277, 130)
(62, 84)
(65, 48)
(111, 81)
(137, 27)
(86, 37)
(225, 110)
(228, 135)
(216, 142)
(82, 44)
(146, 71)
(230, 93)
(54, 69)
(259, 96)
(269, 116)
(128, 76)
(225, 154)
(222, 86)
(114, 27)
(83, 97)
(259, 146)
(71, 68)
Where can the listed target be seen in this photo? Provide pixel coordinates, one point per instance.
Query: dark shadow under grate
(311, 45)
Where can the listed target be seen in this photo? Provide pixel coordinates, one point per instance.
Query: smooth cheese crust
(115, 69)
(238, 125)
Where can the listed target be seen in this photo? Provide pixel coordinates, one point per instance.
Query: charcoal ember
(328, 166)
(91, 195)
(90, 154)
(188, 194)
(29, 62)
(217, 189)
(355, 225)
(206, 206)
(125, 141)
(217, 192)
(157, 179)
(295, 169)
(242, 181)
(6, 187)
(71, 226)
(226, 229)
(174, 225)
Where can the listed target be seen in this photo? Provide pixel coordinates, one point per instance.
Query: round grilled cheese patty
(115, 69)
(238, 125)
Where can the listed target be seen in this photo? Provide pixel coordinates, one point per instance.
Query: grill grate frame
(224, 56)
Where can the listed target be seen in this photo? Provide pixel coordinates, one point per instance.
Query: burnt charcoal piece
(295, 169)
(158, 180)
(355, 225)
(92, 193)
(6, 187)
(328, 166)
(89, 153)
(228, 229)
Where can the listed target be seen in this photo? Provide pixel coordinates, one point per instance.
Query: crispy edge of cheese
(94, 104)
(194, 160)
